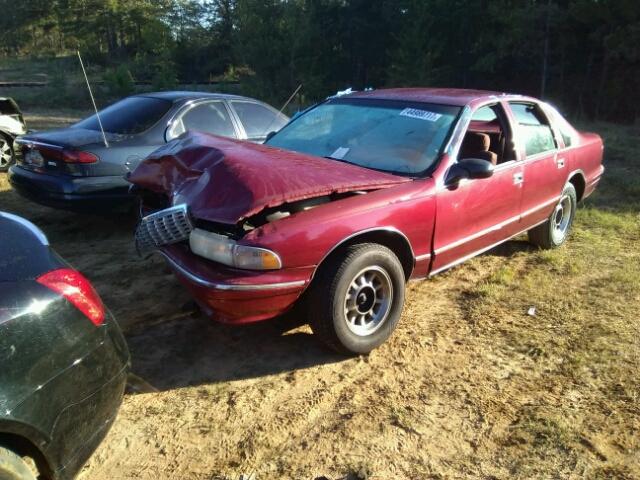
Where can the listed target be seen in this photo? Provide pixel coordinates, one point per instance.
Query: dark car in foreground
(73, 168)
(12, 124)
(350, 200)
(63, 359)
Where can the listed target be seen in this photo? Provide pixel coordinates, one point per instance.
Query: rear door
(544, 166)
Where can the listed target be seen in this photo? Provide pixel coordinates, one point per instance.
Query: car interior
(488, 137)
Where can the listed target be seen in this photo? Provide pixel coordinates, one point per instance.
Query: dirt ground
(473, 384)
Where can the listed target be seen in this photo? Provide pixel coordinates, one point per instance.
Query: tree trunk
(545, 54)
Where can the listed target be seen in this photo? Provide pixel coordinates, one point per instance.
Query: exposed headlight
(226, 251)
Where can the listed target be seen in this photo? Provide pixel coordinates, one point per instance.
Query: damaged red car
(356, 196)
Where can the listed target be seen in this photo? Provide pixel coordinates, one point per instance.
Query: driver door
(475, 214)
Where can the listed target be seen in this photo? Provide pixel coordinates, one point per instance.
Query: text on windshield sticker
(420, 114)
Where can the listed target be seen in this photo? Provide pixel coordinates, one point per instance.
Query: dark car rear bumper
(72, 193)
(75, 408)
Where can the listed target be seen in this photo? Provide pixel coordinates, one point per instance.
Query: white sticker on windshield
(340, 153)
(420, 114)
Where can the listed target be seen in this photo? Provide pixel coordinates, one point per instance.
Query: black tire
(12, 467)
(548, 235)
(330, 294)
(6, 148)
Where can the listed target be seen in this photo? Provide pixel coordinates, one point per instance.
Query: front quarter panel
(305, 238)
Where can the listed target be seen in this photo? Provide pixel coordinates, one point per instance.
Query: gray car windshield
(390, 136)
(128, 116)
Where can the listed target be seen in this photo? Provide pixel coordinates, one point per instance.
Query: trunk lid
(225, 181)
(42, 151)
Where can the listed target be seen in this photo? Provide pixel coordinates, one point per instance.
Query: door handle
(518, 178)
(560, 162)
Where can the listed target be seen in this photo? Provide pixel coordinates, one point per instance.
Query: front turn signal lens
(224, 250)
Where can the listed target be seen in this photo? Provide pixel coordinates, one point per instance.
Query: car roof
(177, 95)
(444, 96)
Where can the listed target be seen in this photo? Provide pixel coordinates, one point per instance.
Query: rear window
(8, 107)
(569, 134)
(129, 116)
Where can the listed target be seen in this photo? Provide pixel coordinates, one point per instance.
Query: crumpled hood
(225, 181)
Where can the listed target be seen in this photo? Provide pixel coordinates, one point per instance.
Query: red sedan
(356, 196)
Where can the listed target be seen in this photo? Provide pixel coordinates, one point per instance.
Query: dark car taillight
(78, 156)
(73, 286)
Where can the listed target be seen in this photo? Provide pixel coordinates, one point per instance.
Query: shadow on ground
(195, 350)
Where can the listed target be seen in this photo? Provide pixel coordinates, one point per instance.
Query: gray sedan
(80, 169)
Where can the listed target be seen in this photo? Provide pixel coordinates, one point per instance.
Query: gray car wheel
(6, 153)
(357, 298)
(554, 231)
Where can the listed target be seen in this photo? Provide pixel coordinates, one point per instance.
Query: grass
(584, 336)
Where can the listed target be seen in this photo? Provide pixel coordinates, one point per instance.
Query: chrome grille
(164, 227)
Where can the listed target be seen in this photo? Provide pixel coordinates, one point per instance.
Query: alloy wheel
(368, 300)
(6, 156)
(561, 219)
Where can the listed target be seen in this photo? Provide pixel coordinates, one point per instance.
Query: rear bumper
(72, 193)
(76, 407)
(237, 296)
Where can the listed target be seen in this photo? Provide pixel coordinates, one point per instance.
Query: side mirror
(469, 168)
(269, 135)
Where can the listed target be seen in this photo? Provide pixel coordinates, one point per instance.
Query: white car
(12, 124)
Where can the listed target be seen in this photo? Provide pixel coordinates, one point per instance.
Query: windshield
(389, 136)
(129, 116)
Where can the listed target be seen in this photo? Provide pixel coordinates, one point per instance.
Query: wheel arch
(23, 440)
(577, 179)
(390, 237)
(7, 134)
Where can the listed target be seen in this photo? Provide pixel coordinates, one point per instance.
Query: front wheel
(6, 152)
(357, 298)
(12, 467)
(554, 231)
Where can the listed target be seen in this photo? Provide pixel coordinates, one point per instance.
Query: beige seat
(476, 145)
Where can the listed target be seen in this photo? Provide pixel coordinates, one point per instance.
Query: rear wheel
(13, 467)
(357, 298)
(6, 152)
(555, 230)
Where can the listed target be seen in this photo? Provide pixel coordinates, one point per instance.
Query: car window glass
(257, 119)
(383, 135)
(129, 116)
(567, 132)
(484, 114)
(533, 128)
(7, 107)
(210, 117)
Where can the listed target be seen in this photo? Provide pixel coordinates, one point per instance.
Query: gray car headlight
(223, 250)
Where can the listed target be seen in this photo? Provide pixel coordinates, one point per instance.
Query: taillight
(73, 286)
(78, 156)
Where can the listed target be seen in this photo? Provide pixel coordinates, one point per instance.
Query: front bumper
(237, 296)
(71, 193)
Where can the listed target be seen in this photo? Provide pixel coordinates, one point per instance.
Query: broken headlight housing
(224, 250)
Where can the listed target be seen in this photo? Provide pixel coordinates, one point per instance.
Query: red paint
(228, 180)
(224, 181)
